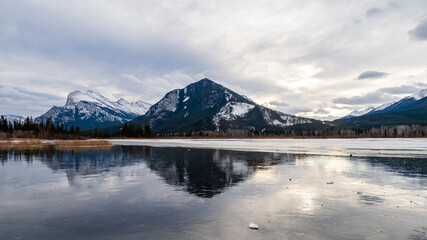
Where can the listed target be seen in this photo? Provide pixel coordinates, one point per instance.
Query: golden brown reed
(66, 145)
(82, 149)
(81, 143)
(22, 144)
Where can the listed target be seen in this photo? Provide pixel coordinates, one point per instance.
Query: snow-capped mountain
(420, 95)
(390, 106)
(12, 118)
(406, 111)
(91, 109)
(357, 113)
(369, 110)
(206, 105)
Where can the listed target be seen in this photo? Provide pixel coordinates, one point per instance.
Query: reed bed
(66, 145)
(82, 149)
(23, 144)
(81, 143)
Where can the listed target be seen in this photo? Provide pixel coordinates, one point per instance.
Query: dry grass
(82, 149)
(27, 141)
(81, 143)
(66, 145)
(23, 144)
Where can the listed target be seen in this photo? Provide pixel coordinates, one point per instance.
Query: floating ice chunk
(253, 226)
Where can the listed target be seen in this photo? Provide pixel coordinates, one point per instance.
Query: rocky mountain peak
(206, 105)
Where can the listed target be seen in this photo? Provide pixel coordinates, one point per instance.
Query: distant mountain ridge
(408, 110)
(12, 118)
(206, 105)
(387, 106)
(91, 109)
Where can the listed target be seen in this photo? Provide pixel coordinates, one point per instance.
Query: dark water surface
(137, 192)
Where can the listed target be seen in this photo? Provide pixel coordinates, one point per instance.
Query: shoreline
(351, 147)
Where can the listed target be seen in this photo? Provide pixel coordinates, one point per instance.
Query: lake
(153, 190)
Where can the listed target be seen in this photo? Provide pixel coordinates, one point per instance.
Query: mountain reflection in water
(139, 192)
(202, 172)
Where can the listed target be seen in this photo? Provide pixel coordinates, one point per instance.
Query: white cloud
(305, 54)
(21, 102)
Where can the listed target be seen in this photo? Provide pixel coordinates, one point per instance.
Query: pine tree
(147, 130)
(72, 131)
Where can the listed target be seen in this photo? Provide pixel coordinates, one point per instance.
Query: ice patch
(186, 99)
(389, 147)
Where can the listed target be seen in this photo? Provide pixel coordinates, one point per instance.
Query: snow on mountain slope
(231, 111)
(372, 110)
(11, 118)
(357, 113)
(138, 108)
(206, 105)
(234, 109)
(91, 109)
(384, 106)
(284, 120)
(169, 102)
(421, 94)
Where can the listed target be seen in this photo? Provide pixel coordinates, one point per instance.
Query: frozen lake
(210, 189)
(396, 147)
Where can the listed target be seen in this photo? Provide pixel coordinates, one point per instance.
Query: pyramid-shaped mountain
(206, 105)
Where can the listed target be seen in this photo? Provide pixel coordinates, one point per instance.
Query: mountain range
(206, 105)
(409, 110)
(91, 109)
(12, 118)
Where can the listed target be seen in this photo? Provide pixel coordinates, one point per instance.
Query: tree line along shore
(50, 130)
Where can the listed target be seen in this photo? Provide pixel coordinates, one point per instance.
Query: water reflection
(202, 172)
(407, 167)
(370, 199)
(129, 192)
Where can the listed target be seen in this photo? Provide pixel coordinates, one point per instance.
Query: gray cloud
(371, 74)
(321, 111)
(420, 31)
(421, 84)
(369, 98)
(379, 96)
(295, 109)
(139, 50)
(373, 12)
(21, 102)
(404, 89)
(278, 103)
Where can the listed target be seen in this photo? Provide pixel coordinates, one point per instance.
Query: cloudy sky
(312, 58)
